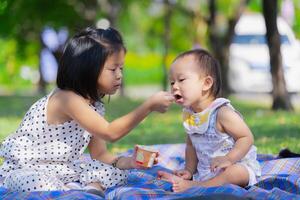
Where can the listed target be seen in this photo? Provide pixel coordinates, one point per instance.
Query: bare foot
(179, 184)
(162, 175)
(182, 185)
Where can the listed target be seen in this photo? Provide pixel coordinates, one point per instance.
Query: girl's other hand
(184, 173)
(161, 101)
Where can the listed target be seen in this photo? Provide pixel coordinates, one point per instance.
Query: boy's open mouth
(178, 98)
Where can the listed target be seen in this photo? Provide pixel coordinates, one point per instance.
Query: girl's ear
(208, 82)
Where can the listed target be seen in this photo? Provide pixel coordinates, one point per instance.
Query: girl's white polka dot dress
(40, 156)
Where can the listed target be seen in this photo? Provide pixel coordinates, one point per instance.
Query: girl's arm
(230, 122)
(77, 109)
(98, 150)
(190, 157)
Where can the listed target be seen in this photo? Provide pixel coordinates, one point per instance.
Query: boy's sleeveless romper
(209, 142)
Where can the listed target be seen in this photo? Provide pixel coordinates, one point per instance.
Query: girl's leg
(25, 180)
(102, 175)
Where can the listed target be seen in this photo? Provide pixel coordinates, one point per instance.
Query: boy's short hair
(83, 59)
(209, 65)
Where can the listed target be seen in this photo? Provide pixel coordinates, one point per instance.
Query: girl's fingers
(135, 150)
(171, 98)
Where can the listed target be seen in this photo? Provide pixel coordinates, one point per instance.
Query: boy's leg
(235, 174)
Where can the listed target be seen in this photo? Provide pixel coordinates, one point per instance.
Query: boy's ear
(208, 82)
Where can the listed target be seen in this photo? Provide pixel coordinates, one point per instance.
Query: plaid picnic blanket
(280, 180)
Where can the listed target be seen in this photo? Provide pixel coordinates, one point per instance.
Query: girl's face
(188, 83)
(110, 79)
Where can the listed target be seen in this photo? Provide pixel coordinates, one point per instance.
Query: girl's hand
(184, 173)
(161, 101)
(220, 162)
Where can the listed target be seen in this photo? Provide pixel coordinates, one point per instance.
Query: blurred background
(241, 34)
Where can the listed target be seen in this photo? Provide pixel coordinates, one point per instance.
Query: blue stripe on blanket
(280, 180)
(61, 195)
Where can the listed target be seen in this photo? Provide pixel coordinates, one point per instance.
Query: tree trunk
(166, 41)
(111, 9)
(220, 43)
(281, 98)
(42, 84)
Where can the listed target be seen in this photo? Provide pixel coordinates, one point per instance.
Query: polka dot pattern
(39, 152)
(107, 175)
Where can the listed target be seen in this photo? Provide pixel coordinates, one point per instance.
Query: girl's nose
(119, 74)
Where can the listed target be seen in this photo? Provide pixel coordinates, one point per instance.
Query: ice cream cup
(145, 156)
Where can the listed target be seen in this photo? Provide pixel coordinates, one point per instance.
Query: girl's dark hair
(83, 59)
(209, 65)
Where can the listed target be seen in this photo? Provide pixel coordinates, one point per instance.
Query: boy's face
(110, 79)
(187, 81)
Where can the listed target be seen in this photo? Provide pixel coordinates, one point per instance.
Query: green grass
(272, 130)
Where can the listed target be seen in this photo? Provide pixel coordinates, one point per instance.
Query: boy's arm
(230, 122)
(190, 156)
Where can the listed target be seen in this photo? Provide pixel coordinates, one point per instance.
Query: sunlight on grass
(272, 130)
(8, 125)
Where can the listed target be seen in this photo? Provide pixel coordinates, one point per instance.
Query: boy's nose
(175, 86)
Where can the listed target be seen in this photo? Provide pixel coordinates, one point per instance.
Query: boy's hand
(220, 162)
(184, 173)
(161, 101)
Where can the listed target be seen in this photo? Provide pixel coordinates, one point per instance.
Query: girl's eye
(172, 83)
(182, 79)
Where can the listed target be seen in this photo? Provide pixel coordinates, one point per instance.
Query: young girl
(219, 145)
(43, 153)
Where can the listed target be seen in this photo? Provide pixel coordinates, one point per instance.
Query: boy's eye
(172, 83)
(182, 79)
